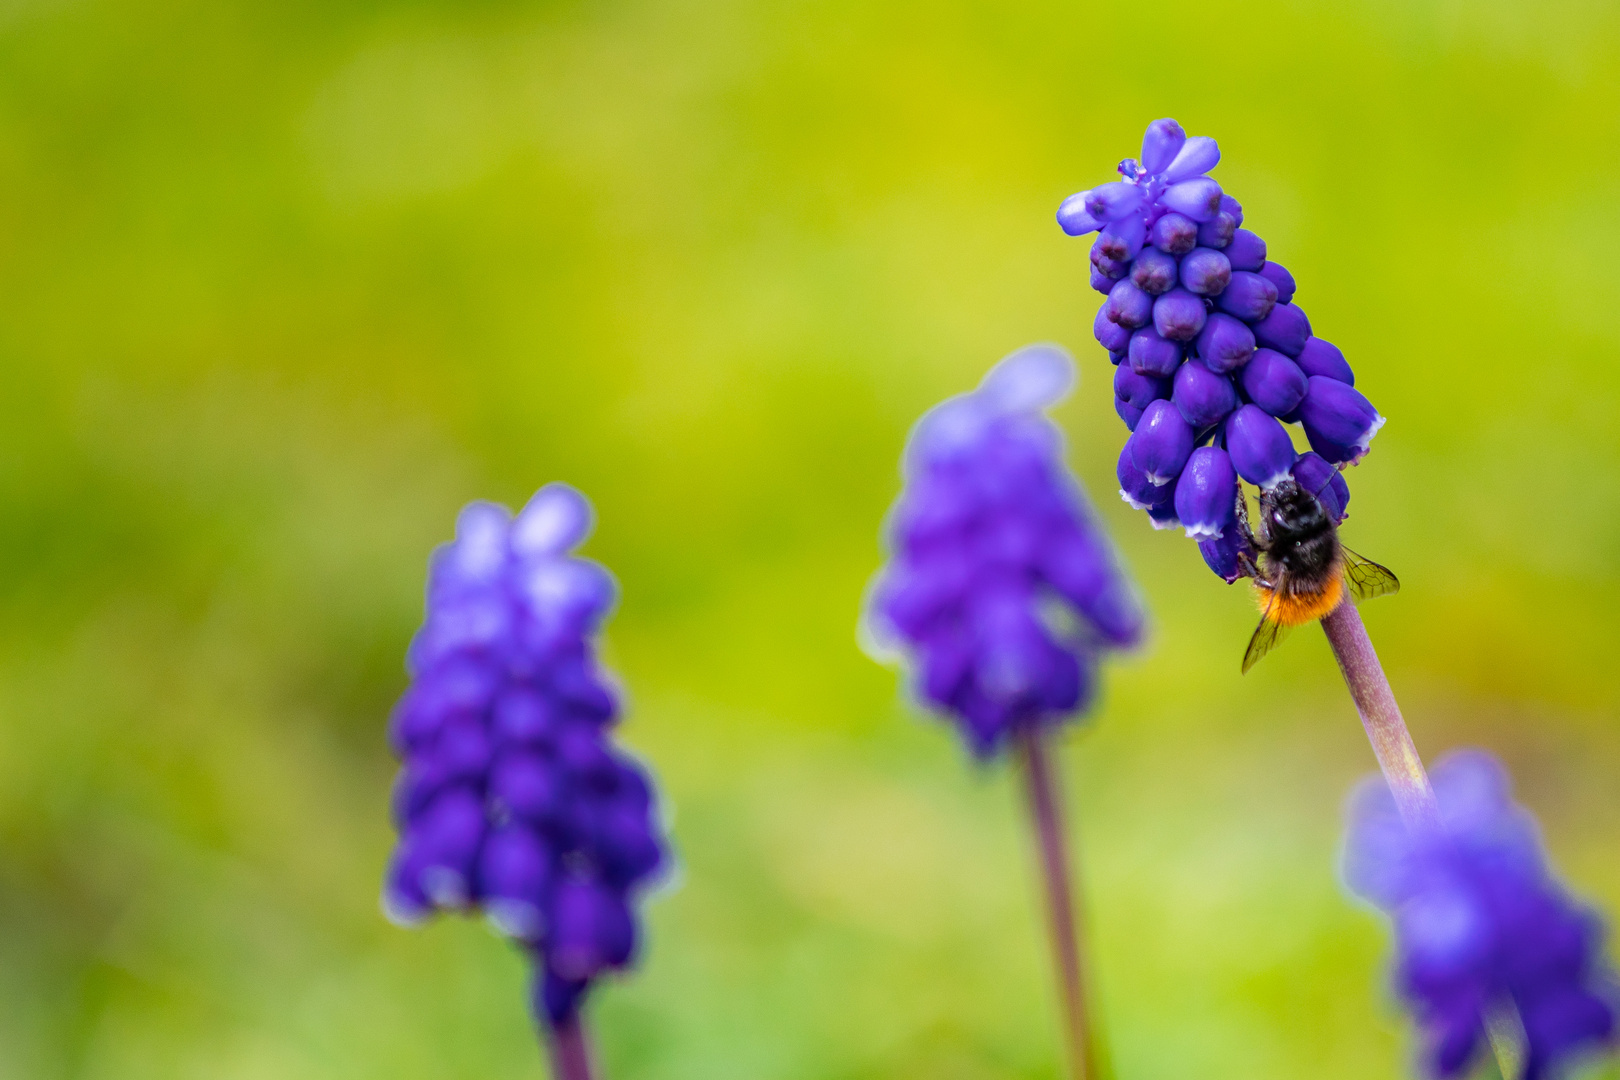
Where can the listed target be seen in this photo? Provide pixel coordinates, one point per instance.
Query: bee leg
(1246, 559)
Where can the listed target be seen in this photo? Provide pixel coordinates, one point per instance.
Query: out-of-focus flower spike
(1073, 217)
(1261, 451)
(1196, 157)
(1206, 493)
(1160, 145)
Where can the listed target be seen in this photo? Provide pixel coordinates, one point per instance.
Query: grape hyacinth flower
(1206, 322)
(1482, 927)
(513, 799)
(1002, 593)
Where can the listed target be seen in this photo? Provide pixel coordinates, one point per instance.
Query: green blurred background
(282, 285)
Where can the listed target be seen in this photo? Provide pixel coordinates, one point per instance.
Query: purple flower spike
(1273, 382)
(1110, 335)
(1222, 336)
(1121, 240)
(989, 531)
(1073, 217)
(1286, 329)
(1206, 493)
(1112, 201)
(1481, 922)
(1128, 306)
(1174, 234)
(1338, 421)
(1246, 251)
(1161, 443)
(1249, 297)
(1225, 344)
(1197, 200)
(1197, 156)
(1178, 315)
(1282, 279)
(1202, 397)
(1205, 272)
(1313, 474)
(1154, 272)
(511, 786)
(1223, 554)
(1261, 450)
(1323, 358)
(1151, 354)
(1160, 145)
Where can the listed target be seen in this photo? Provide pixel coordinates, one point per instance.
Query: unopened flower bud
(1246, 251)
(1114, 200)
(1225, 343)
(1154, 272)
(1248, 296)
(1261, 451)
(1198, 200)
(1206, 493)
(1151, 354)
(1338, 421)
(1286, 329)
(1178, 315)
(1073, 217)
(1323, 358)
(1110, 335)
(1161, 442)
(1273, 382)
(1202, 397)
(1120, 240)
(1128, 306)
(1217, 231)
(1160, 145)
(1196, 157)
(1279, 276)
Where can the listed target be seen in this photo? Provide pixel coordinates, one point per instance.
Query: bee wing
(1366, 579)
(1266, 636)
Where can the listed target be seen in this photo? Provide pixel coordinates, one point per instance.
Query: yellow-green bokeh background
(282, 285)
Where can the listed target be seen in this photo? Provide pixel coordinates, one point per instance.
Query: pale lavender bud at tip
(1197, 156)
(1073, 217)
(1160, 145)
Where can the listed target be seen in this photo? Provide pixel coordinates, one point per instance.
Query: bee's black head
(1291, 511)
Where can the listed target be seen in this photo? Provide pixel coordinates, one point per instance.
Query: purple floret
(990, 539)
(1195, 303)
(1481, 924)
(513, 799)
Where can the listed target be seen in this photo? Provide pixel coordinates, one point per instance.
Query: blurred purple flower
(1480, 922)
(1194, 303)
(513, 799)
(1001, 589)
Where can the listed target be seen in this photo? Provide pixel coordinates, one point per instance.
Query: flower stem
(1046, 815)
(1402, 767)
(570, 1050)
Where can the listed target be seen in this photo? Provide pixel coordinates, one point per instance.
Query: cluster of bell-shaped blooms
(1001, 589)
(1482, 927)
(1213, 356)
(513, 798)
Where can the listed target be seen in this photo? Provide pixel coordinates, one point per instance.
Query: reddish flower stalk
(570, 1050)
(1046, 815)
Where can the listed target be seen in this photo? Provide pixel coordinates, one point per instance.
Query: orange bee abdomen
(1294, 608)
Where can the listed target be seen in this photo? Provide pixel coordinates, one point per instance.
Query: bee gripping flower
(1000, 590)
(1219, 311)
(513, 799)
(1481, 924)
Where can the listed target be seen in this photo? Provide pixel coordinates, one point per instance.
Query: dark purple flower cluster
(1001, 587)
(1480, 922)
(1213, 356)
(513, 799)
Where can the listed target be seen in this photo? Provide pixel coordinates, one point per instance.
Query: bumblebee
(1303, 571)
